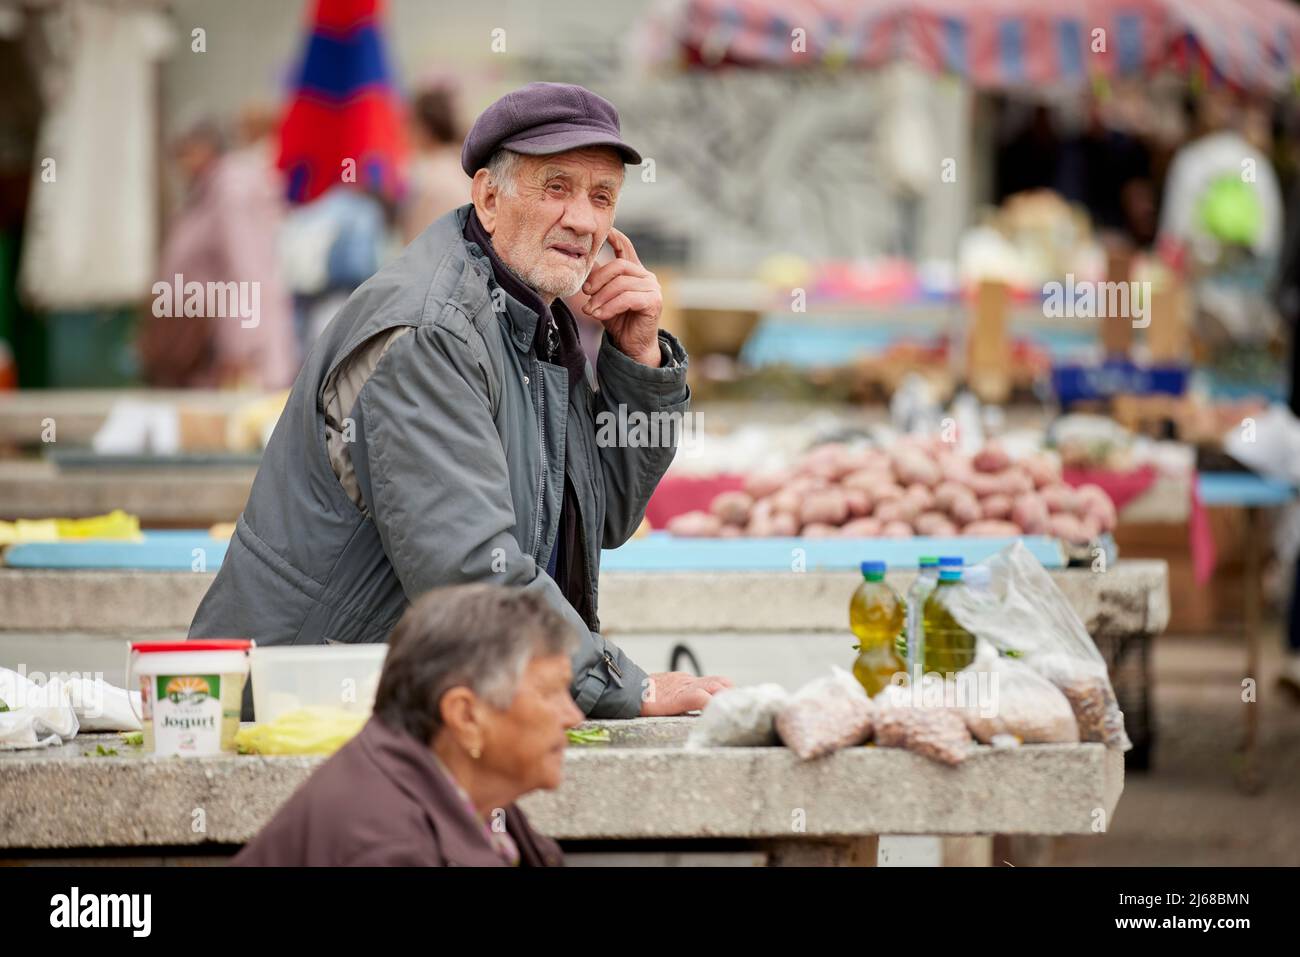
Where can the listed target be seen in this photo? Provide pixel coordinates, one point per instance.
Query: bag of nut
(936, 732)
(825, 715)
(1023, 614)
(1023, 705)
(1090, 695)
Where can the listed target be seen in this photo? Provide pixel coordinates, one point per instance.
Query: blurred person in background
(1031, 157)
(1221, 225)
(342, 147)
(1108, 171)
(1221, 193)
(470, 715)
(329, 247)
(225, 231)
(435, 182)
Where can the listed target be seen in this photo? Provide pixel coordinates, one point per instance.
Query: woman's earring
(474, 752)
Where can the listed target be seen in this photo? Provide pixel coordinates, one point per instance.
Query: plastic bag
(1023, 705)
(34, 715)
(825, 715)
(935, 732)
(1024, 613)
(739, 717)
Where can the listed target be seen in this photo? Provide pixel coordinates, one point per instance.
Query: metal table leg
(1249, 778)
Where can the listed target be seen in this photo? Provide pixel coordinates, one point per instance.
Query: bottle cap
(949, 574)
(950, 561)
(928, 561)
(873, 569)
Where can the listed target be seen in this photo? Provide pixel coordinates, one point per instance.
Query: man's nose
(580, 216)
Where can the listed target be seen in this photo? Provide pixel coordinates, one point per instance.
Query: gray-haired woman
(470, 715)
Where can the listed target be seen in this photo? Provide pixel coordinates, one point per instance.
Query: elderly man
(444, 429)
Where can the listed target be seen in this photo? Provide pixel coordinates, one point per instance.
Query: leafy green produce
(135, 738)
(588, 735)
(312, 730)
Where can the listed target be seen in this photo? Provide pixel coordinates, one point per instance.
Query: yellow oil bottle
(876, 615)
(948, 646)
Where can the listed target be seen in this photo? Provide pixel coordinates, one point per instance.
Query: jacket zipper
(614, 669)
(610, 664)
(541, 447)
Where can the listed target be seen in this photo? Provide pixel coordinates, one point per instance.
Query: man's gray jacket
(460, 441)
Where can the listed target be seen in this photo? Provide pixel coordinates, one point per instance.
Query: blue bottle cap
(870, 568)
(950, 561)
(947, 574)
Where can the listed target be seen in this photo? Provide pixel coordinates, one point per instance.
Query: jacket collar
(412, 768)
(523, 307)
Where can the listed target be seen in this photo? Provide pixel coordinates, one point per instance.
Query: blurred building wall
(747, 163)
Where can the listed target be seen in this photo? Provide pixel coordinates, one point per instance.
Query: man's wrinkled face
(550, 227)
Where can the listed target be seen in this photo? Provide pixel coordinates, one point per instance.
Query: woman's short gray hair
(477, 636)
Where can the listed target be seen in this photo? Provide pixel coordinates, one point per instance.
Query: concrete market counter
(754, 627)
(1129, 598)
(174, 496)
(643, 784)
(77, 414)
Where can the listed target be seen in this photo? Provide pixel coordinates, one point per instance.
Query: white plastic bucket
(190, 694)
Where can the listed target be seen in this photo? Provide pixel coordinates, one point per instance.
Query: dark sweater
(565, 562)
(383, 800)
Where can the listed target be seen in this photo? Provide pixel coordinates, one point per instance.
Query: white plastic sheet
(40, 715)
(1022, 612)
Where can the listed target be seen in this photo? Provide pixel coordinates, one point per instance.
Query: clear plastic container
(911, 642)
(287, 678)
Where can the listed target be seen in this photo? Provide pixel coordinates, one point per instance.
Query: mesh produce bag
(1026, 707)
(935, 732)
(825, 715)
(1023, 613)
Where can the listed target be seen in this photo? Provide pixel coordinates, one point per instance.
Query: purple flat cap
(544, 118)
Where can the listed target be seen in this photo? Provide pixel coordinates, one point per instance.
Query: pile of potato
(919, 487)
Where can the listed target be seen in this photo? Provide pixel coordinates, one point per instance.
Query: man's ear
(485, 201)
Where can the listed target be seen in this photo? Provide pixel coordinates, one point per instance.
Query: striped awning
(1251, 44)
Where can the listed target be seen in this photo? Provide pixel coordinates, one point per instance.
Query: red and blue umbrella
(344, 115)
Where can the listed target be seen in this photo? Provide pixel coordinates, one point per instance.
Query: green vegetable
(588, 735)
(3, 706)
(100, 752)
(135, 738)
